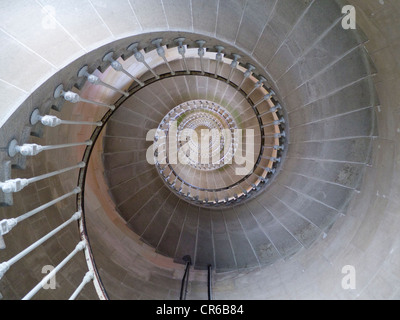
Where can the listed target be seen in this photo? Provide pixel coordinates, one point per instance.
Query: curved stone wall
(325, 80)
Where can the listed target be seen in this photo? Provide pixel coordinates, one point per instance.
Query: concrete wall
(285, 38)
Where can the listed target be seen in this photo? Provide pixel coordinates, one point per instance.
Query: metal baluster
(5, 266)
(7, 225)
(34, 149)
(118, 67)
(269, 170)
(218, 59)
(16, 185)
(185, 279)
(265, 98)
(161, 53)
(83, 72)
(257, 85)
(276, 135)
(272, 110)
(86, 279)
(273, 159)
(246, 75)
(134, 47)
(81, 245)
(74, 97)
(276, 147)
(182, 51)
(53, 121)
(234, 64)
(201, 53)
(274, 123)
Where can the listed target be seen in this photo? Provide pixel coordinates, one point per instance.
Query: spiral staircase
(79, 194)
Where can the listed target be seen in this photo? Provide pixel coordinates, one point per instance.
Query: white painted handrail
(16, 185)
(75, 98)
(161, 53)
(218, 58)
(201, 53)
(246, 75)
(81, 245)
(265, 98)
(93, 79)
(34, 149)
(182, 52)
(7, 225)
(274, 123)
(118, 67)
(86, 279)
(257, 85)
(53, 121)
(271, 110)
(140, 58)
(5, 266)
(233, 66)
(276, 135)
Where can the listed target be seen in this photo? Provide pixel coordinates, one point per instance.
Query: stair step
(304, 231)
(123, 144)
(187, 241)
(170, 239)
(143, 217)
(264, 249)
(132, 117)
(126, 189)
(320, 215)
(155, 229)
(122, 174)
(128, 208)
(244, 254)
(224, 257)
(331, 195)
(204, 247)
(120, 159)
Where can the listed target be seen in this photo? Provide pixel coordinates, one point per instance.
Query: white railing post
(218, 59)
(75, 98)
(265, 98)
(201, 53)
(34, 149)
(81, 245)
(5, 266)
(7, 225)
(272, 110)
(83, 72)
(257, 85)
(274, 123)
(161, 53)
(275, 147)
(273, 159)
(16, 185)
(86, 279)
(118, 67)
(233, 66)
(276, 135)
(246, 75)
(53, 121)
(182, 51)
(140, 57)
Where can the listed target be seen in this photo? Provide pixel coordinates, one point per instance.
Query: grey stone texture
(340, 173)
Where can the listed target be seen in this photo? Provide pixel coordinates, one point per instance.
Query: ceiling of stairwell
(325, 87)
